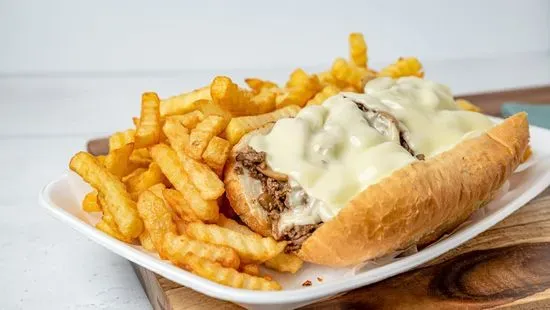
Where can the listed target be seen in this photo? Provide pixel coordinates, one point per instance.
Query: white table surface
(46, 119)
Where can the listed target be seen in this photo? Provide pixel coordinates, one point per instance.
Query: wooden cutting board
(507, 266)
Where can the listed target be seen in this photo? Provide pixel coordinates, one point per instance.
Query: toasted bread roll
(414, 205)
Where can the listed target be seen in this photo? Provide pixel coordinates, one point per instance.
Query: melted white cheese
(333, 153)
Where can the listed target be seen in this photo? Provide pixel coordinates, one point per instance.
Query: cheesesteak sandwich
(363, 175)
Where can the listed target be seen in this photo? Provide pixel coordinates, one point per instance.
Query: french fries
(184, 103)
(282, 262)
(263, 102)
(178, 246)
(216, 153)
(189, 120)
(233, 225)
(148, 131)
(251, 269)
(347, 74)
(146, 241)
(140, 157)
(141, 182)
(403, 67)
(226, 276)
(327, 92)
(120, 139)
(285, 263)
(177, 134)
(299, 89)
(208, 108)
(157, 218)
(111, 231)
(169, 163)
(230, 96)
(117, 161)
(132, 174)
(251, 248)
(117, 200)
(205, 180)
(239, 126)
(358, 50)
(176, 201)
(89, 203)
(202, 134)
(107, 223)
(257, 85)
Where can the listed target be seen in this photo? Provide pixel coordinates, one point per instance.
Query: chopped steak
(297, 235)
(387, 125)
(274, 198)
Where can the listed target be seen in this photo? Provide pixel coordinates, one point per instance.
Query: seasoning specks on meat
(275, 197)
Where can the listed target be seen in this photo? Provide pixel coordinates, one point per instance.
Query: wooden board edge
(156, 295)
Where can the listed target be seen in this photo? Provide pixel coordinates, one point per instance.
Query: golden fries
(117, 161)
(403, 67)
(178, 136)
(148, 131)
(117, 200)
(229, 95)
(132, 174)
(216, 153)
(178, 246)
(327, 92)
(205, 180)
(208, 108)
(140, 157)
(299, 89)
(89, 203)
(257, 85)
(226, 276)
(251, 269)
(239, 126)
(107, 223)
(282, 262)
(285, 263)
(120, 139)
(146, 241)
(234, 226)
(263, 102)
(111, 231)
(184, 103)
(202, 134)
(141, 182)
(156, 217)
(467, 105)
(167, 159)
(251, 248)
(345, 73)
(189, 120)
(358, 49)
(176, 201)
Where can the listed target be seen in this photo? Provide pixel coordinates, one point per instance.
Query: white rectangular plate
(62, 199)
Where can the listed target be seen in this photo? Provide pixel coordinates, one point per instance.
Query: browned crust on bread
(415, 205)
(421, 201)
(252, 215)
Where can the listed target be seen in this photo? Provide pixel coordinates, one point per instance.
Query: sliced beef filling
(387, 125)
(274, 198)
